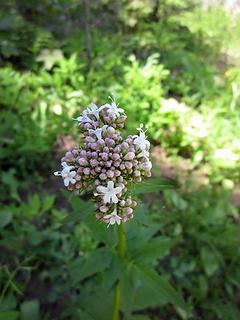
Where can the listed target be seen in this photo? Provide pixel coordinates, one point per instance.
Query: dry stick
(121, 251)
(88, 39)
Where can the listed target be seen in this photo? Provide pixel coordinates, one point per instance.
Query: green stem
(121, 252)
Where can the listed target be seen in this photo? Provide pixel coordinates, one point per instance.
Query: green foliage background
(173, 65)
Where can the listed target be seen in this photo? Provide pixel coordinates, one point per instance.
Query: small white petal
(66, 182)
(57, 173)
(114, 198)
(102, 189)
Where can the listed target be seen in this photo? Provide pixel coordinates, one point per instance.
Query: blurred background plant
(173, 65)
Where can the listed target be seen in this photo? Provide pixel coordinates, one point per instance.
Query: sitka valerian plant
(111, 168)
(107, 163)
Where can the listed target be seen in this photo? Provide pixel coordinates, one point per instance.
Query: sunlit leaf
(152, 186)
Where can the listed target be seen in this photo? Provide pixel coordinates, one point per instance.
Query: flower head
(107, 163)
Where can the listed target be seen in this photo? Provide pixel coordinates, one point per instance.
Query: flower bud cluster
(107, 163)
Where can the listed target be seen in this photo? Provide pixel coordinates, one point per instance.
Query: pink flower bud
(89, 139)
(97, 182)
(117, 163)
(103, 176)
(86, 171)
(104, 156)
(75, 152)
(128, 210)
(68, 154)
(124, 146)
(93, 146)
(110, 131)
(137, 173)
(108, 163)
(117, 149)
(93, 162)
(83, 153)
(98, 216)
(100, 142)
(128, 202)
(128, 165)
(98, 169)
(147, 165)
(134, 203)
(110, 142)
(122, 118)
(87, 126)
(106, 149)
(122, 166)
(122, 203)
(110, 174)
(129, 140)
(82, 162)
(103, 209)
(115, 156)
(94, 154)
(117, 173)
(129, 156)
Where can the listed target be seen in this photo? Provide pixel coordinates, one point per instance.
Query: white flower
(83, 118)
(141, 140)
(94, 110)
(113, 108)
(143, 154)
(66, 174)
(113, 218)
(109, 193)
(98, 131)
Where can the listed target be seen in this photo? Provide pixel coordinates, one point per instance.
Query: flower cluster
(107, 164)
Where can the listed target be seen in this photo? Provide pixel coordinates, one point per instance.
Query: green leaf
(100, 232)
(9, 302)
(94, 262)
(162, 288)
(30, 310)
(209, 261)
(152, 186)
(9, 315)
(9, 179)
(81, 209)
(48, 203)
(153, 250)
(5, 218)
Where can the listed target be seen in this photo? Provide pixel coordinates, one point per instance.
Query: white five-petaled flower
(83, 118)
(144, 154)
(66, 174)
(113, 108)
(109, 193)
(98, 131)
(141, 140)
(113, 218)
(94, 110)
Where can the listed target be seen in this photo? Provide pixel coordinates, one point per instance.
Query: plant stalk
(121, 252)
